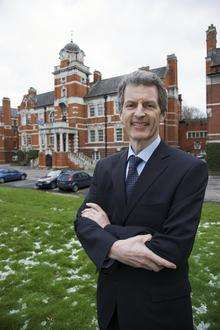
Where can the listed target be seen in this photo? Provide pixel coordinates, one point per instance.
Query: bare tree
(189, 113)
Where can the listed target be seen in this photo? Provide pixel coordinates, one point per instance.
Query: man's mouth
(139, 124)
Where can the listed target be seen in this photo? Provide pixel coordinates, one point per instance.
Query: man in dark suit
(139, 220)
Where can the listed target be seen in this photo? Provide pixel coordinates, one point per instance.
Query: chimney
(145, 68)
(97, 76)
(6, 111)
(211, 40)
(172, 70)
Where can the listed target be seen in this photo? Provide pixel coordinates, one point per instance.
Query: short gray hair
(146, 78)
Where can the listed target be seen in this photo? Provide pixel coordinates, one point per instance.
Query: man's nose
(139, 111)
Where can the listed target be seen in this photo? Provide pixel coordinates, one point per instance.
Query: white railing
(82, 160)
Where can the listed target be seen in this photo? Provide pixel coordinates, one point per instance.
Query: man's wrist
(114, 248)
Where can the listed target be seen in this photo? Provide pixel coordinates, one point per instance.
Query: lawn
(46, 280)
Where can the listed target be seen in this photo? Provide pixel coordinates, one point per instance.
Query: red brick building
(213, 85)
(193, 135)
(8, 131)
(79, 121)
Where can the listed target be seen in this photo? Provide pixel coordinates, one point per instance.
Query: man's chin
(140, 136)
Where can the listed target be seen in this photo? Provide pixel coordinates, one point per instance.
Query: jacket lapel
(155, 166)
(118, 178)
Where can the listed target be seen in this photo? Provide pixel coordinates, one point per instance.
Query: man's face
(141, 113)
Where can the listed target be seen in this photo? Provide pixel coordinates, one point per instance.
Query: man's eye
(129, 105)
(149, 106)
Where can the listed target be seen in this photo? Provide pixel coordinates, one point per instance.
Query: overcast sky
(117, 36)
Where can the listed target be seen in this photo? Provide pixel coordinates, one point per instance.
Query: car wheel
(75, 188)
(53, 185)
(23, 177)
(2, 180)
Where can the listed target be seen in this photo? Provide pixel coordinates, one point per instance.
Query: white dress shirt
(144, 154)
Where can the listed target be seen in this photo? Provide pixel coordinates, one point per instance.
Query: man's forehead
(141, 91)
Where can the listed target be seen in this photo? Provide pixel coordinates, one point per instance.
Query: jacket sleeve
(124, 232)
(95, 240)
(176, 240)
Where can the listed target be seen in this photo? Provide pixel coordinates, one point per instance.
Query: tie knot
(134, 161)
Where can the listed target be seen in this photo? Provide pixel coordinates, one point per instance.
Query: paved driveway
(212, 191)
(32, 176)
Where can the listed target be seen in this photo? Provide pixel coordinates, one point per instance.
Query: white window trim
(89, 135)
(95, 105)
(115, 137)
(201, 134)
(100, 129)
(116, 100)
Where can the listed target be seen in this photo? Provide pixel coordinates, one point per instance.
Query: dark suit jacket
(166, 202)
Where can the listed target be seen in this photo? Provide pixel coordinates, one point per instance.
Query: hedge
(213, 156)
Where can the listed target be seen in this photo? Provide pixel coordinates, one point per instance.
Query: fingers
(146, 264)
(94, 206)
(146, 238)
(160, 261)
(88, 212)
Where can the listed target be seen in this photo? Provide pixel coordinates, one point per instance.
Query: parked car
(49, 181)
(9, 174)
(202, 157)
(73, 180)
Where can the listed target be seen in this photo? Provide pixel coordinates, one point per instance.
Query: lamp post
(106, 138)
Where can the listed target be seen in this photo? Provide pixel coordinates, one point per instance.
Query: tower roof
(71, 47)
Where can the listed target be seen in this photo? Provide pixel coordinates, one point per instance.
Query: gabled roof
(105, 86)
(110, 85)
(45, 99)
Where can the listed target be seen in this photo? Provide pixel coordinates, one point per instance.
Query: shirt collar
(146, 153)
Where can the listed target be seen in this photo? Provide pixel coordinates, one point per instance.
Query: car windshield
(65, 177)
(53, 173)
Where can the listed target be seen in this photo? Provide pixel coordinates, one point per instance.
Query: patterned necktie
(132, 174)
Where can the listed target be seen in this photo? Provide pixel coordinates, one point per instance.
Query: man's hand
(96, 213)
(133, 252)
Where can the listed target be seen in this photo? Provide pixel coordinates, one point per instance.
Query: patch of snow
(74, 255)
(210, 283)
(14, 311)
(51, 251)
(37, 245)
(28, 262)
(3, 233)
(24, 327)
(201, 309)
(203, 326)
(8, 271)
(56, 209)
(73, 289)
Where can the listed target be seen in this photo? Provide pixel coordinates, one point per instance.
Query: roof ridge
(45, 93)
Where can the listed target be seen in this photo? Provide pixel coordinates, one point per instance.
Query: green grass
(47, 281)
